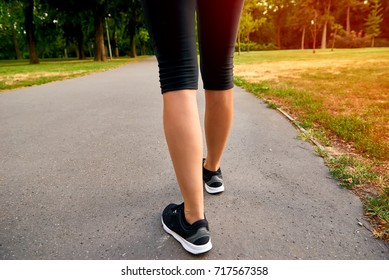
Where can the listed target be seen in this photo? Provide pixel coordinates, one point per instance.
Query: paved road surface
(85, 174)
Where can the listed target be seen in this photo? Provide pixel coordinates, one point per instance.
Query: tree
(326, 18)
(350, 5)
(127, 24)
(374, 20)
(71, 26)
(336, 28)
(249, 22)
(117, 13)
(134, 23)
(278, 11)
(30, 31)
(98, 16)
(385, 13)
(144, 37)
(47, 31)
(11, 29)
(314, 29)
(72, 17)
(303, 15)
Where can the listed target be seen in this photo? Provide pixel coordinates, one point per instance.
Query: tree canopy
(37, 29)
(287, 24)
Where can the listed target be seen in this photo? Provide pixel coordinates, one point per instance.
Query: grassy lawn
(342, 99)
(19, 73)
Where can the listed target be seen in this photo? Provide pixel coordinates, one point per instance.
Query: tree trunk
(133, 46)
(324, 36)
(313, 32)
(333, 40)
(372, 41)
(30, 30)
(100, 54)
(90, 51)
(81, 50)
(348, 27)
(279, 37)
(132, 34)
(248, 42)
(80, 43)
(303, 39)
(116, 46)
(143, 48)
(18, 53)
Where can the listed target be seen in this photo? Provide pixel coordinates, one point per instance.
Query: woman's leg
(218, 22)
(219, 109)
(172, 27)
(184, 139)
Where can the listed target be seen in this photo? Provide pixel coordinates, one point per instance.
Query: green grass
(379, 206)
(307, 55)
(317, 134)
(311, 112)
(346, 91)
(350, 171)
(19, 73)
(342, 96)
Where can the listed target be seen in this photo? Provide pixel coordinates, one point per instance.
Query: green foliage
(379, 206)
(315, 133)
(255, 47)
(143, 35)
(374, 19)
(351, 41)
(350, 171)
(11, 30)
(249, 21)
(338, 29)
(321, 152)
(69, 25)
(381, 43)
(271, 105)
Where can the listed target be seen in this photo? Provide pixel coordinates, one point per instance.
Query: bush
(244, 47)
(381, 42)
(351, 40)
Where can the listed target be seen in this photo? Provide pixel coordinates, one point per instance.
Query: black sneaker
(213, 180)
(194, 238)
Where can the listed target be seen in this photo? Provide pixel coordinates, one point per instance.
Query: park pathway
(85, 173)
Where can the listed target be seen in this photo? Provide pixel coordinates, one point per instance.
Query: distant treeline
(288, 24)
(52, 29)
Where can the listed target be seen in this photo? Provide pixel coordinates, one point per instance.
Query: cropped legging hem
(171, 25)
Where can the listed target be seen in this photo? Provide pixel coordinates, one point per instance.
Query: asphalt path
(85, 173)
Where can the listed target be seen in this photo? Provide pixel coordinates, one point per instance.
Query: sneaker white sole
(213, 190)
(191, 248)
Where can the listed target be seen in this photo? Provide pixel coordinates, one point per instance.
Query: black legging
(171, 25)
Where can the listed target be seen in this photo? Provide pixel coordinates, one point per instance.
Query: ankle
(192, 217)
(211, 166)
